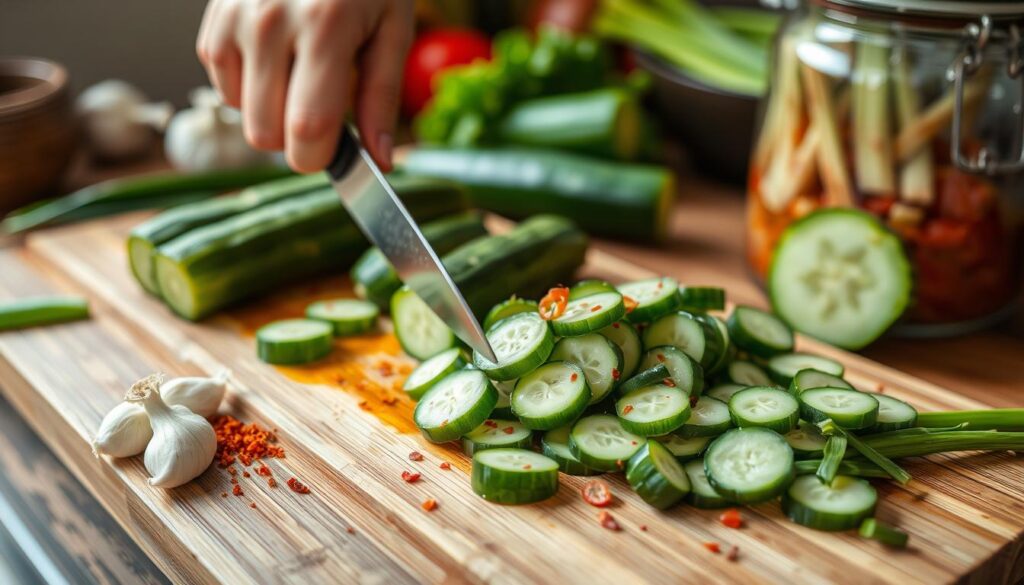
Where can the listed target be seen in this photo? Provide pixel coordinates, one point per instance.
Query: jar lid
(941, 8)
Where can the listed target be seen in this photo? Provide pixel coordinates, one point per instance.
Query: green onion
(996, 419)
(37, 311)
(835, 449)
(855, 467)
(916, 444)
(888, 535)
(895, 471)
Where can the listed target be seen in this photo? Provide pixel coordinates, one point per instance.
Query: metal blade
(383, 218)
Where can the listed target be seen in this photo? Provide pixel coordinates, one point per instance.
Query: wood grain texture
(965, 513)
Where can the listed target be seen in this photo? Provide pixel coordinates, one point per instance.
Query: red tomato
(597, 493)
(433, 51)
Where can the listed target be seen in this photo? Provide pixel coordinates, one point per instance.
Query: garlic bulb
(117, 121)
(200, 395)
(209, 136)
(183, 443)
(124, 432)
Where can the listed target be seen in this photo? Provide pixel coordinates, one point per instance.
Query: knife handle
(345, 155)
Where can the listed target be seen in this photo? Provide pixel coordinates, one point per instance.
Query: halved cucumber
(432, 371)
(701, 298)
(347, 316)
(653, 410)
(724, 392)
(551, 396)
(655, 375)
(521, 343)
(811, 378)
(765, 406)
(708, 418)
(294, 341)
(702, 495)
(625, 337)
(457, 404)
(654, 297)
(759, 332)
(747, 374)
(806, 440)
(421, 333)
(783, 367)
(589, 314)
(496, 433)
(585, 288)
(600, 442)
(698, 338)
(841, 505)
(555, 444)
(656, 476)
(512, 306)
(749, 465)
(849, 409)
(893, 414)
(503, 407)
(686, 373)
(684, 449)
(600, 360)
(514, 476)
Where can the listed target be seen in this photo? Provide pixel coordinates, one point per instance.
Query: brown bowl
(37, 129)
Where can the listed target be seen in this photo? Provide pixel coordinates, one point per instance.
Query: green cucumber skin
(33, 312)
(819, 520)
(628, 201)
(648, 481)
(375, 278)
(454, 430)
(528, 488)
(513, 306)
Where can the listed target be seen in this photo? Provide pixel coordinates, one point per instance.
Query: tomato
(597, 493)
(434, 51)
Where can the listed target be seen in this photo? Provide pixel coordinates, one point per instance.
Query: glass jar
(910, 110)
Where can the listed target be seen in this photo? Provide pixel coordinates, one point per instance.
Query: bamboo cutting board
(349, 441)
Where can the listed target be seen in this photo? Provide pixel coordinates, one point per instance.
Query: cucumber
(656, 476)
(765, 406)
(701, 298)
(728, 354)
(600, 360)
(708, 418)
(811, 378)
(839, 275)
(612, 199)
(749, 465)
(654, 298)
(849, 409)
(747, 373)
(553, 395)
(589, 314)
(514, 476)
(457, 404)
(684, 449)
(497, 433)
(625, 337)
(421, 333)
(686, 374)
(503, 408)
(375, 279)
(724, 392)
(702, 495)
(294, 341)
(555, 444)
(507, 308)
(893, 414)
(806, 440)
(521, 343)
(600, 442)
(699, 338)
(653, 375)
(653, 410)
(783, 367)
(585, 288)
(432, 371)
(759, 333)
(346, 316)
(32, 312)
(841, 505)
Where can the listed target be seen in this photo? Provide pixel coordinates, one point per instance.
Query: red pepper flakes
(244, 442)
(608, 521)
(223, 494)
(574, 377)
(444, 423)
(385, 369)
(263, 470)
(713, 547)
(410, 477)
(232, 470)
(616, 325)
(661, 357)
(880, 388)
(661, 285)
(630, 304)
(616, 374)
(297, 486)
(365, 405)
(252, 505)
(633, 442)
(237, 490)
(272, 482)
(734, 553)
(234, 480)
(731, 518)
(246, 474)
(415, 456)
(643, 527)
(429, 504)
(445, 465)
(350, 530)
(527, 466)
(668, 382)
(389, 400)
(490, 423)
(596, 308)
(508, 430)
(627, 409)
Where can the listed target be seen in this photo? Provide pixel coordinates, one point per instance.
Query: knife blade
(380, 214)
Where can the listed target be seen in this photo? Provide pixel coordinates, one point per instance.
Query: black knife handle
(345, 155)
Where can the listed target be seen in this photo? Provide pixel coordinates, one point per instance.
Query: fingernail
(384, 146)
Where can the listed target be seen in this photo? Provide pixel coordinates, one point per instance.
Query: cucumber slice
(811, 378)
(653, 410)
(347, 316)
(749, 465)
(600, 442)
(656, 476)
(806, 440)
(514, 476)
(849, 409)
(747, 374)
(294, 341)
(782, 368)
(684, 449)
(686, 373)
(432, 371)
(421, 333)
(551, 396)
(521, 343)
(841, 505)
(654, 297)
(600, 360)
(512, 306)
(759, 332)
(555, 444)
(893, 414)
(496, 433)
(765, 406)
(701, 298)
(841, 276)
(503, 408)
(589, 314)
(724, 392)
(708, 418)
(698, 338)
(728, 353)
(585, 288)
(659, 373)
(702, 495)
(456, 405)
(625, 337)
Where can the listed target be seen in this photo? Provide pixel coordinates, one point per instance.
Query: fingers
(218, 51)
(265, 36)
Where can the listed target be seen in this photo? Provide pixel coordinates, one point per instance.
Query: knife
(380, 214)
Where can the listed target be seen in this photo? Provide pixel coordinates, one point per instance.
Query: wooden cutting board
(348, 442)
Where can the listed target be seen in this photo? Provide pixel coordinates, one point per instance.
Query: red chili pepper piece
(607, 521)
(508, 430)
(415, 456)
(661, 357)
(350, 530)
(237, 490)
(731, 518)
(553, 304)
(410, 477)
(445, 465)
(574, 377)
(429, 504)
(272, 482)
(734, 553)
(669, 382)
(490, 423)
(693, 401)
(643, 527)
(297, 486)
(627, 409)
(616, 374)
(596, 308)
(713, 547)
(596, 492)
(528, 466)
(252, 505)
(616, 325)
(630, 304)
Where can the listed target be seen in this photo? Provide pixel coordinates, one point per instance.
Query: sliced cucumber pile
(686, 374)
(551, 396)
(294, 341)
(709, 417)
(514, 476)
(765, 406)
(601, 442)
(653, 410)
(600, 360)
(430, 372)
(750, 465)
(457, 404)
(625, 337)
(496, 433)
(521, 343)
(698, 338)
(589, 314)
(347, 316)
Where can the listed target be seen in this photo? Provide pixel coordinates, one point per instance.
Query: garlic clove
(124, 432)
(200, 395)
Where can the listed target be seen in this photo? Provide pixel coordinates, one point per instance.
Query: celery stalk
(917, 175)
(832, 456)
(855, 467)
(996, 419)
(872, 145)
(917, 133)
(698, 20)
(903, 444)
(831, 162)
(830, 428)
